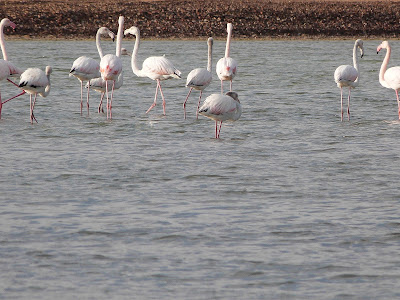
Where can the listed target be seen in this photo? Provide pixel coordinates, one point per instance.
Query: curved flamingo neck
(2, 42)
(47, 89)
(209, 62)
(99, 49)
(384, 66)
(355, 62)
(135, 68)
(120, 35)
(228, 41)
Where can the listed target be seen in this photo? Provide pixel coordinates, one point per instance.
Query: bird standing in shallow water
(34, 81)
(199, 78)
(389, 78)
(348, 76)
(227, 67)
(221, 108)
(85, 68)
(155, 67)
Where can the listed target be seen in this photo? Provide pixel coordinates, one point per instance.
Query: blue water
(290, 202)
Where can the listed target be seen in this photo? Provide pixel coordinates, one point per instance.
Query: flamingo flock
(106, 76)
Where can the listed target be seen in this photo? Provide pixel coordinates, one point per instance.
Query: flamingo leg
(87, 100)
(33, 106)
(23, 92)
(12, 82)
(222, 87)
(81, 96)
(341, 103)
(216, 129)
(101, 104)
(162, 96)
(184, 103)
(112, 94)
(1, 106)
(398, 102)
(155, 100)
(30, 107)
(219, 131)
(231, 86)
(348, 104)
(198, 105)
(107, 97)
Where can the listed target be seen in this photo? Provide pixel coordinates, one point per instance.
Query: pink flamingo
(34, 81)
(85, 68)
(199, 78)
(349, 76)
(155, 67)
(227, 67)
(111, 66)
(389, 78)
(221, 108)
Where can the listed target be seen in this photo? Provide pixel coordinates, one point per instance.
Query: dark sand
(73, 19)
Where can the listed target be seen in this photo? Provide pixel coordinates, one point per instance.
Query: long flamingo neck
(99, 49)
(2, 42)
(228, 43)
(47, 89)
(120, 35)
(384, 66)
(135, 68)
(209, 62)
(355, 62)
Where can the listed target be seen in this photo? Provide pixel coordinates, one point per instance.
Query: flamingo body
(110, 67)
(85, 68)
(392, 78)
(221, 108)
(226, 67)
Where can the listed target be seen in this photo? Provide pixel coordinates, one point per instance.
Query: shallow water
(290, 203)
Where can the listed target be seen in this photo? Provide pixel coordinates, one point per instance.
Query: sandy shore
(73, 19)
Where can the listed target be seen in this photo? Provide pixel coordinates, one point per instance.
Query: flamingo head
(125, 52)
(229, 27)
(383, 45)
(210, 41)
(360, 45)
(133, 30)
(7, 22)
(233, 95)
(49, 70)
(106, 31)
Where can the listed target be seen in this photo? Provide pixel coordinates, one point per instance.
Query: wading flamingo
(199, 78)
(227, 67)
(389, 78)
(86, 68)
(99, 85)
(34, 81)
(349, 76)
(111, 66)
(155, 67)
(221, 108)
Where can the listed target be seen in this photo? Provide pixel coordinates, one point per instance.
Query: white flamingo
(349, 76)
(86, 68)
(111, 66)
(155, 67)
(14, 71)
(227, 67)
(221, 108)
(199, 78)
(34, 81)
(389, 78)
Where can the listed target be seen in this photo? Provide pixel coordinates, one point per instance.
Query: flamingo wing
(159, 67)
(219, 107)
(345, 75)
(199, 78)
(33, 80)
(85, 68)
(392, 77)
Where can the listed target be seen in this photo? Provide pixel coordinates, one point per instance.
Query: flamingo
(221, 108)
(155, 67)
(86, 68)
(111, 66)
(389, 78)
(227, 67)
(34, 81)
(199, 78)
(99, 85)
(349, 76)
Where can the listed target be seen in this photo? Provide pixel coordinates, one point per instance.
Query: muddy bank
(197, 19)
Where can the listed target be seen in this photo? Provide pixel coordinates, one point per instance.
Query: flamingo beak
(12, 25)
